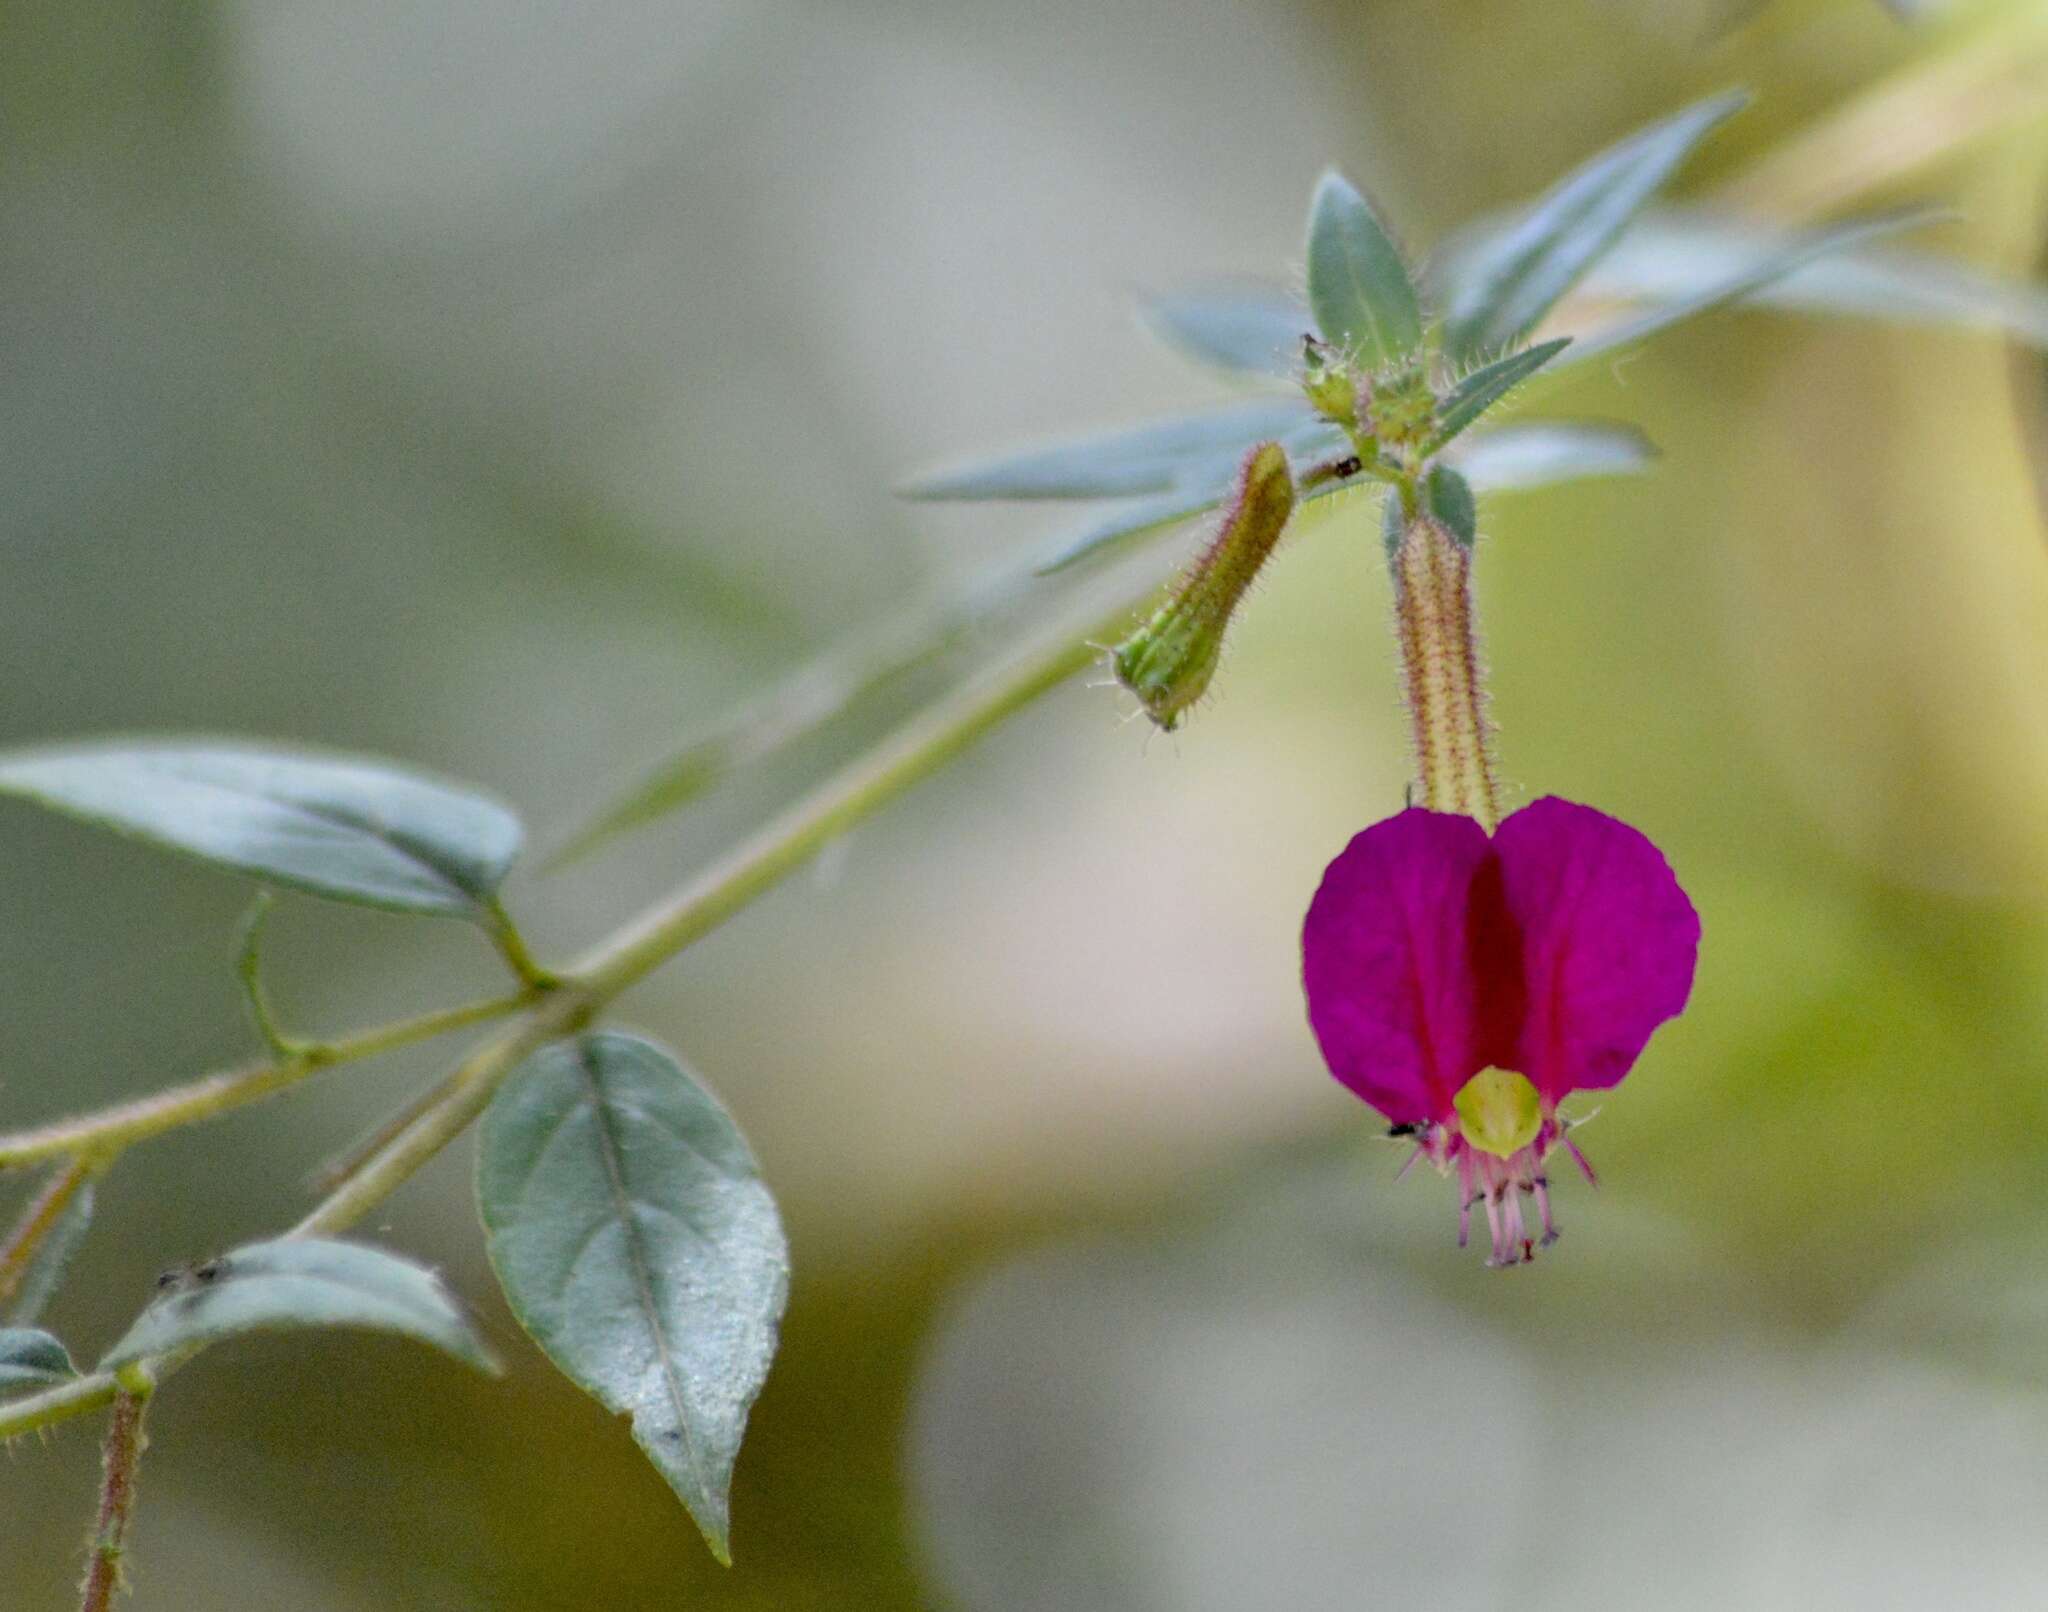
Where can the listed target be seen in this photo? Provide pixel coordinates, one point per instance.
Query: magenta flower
(1464, 986)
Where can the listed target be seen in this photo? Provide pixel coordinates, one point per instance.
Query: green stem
(917, 749)
(249, 969)
(108, 1130)
(512, 947)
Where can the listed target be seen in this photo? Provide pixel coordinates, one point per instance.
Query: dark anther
(1403, 1130)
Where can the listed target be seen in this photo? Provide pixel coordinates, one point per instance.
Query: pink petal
(1386, 963)
(1608, 942)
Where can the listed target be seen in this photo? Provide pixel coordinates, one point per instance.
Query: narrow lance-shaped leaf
(31, 1360)
(1358, 287)
(1520, 276)
(1512, 457)
(1310, 441)
(1736, 287)
(38, 1280)
(634, 1239)
(1114, 464)
(345, 827)
(1487, 385)
(1673, 256)
(1121, 523)
(1246, 330)
(299, 1283)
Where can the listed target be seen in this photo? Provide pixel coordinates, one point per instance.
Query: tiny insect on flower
(1463, 986)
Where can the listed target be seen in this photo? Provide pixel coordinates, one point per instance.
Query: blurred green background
(509, 389)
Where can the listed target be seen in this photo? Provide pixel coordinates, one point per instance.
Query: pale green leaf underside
(1510, 458)
(348, 828)
(47, 1265)
(635, 1241)
(1206, 484)
(300, 1283)
(1358, 287)
(1146, 458)
(1743, 282)
(1672, 256)
(1524, 270)
(1250, 330)
(31, 1360)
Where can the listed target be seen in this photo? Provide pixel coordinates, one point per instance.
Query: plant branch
(108, 1130)
(122, 1458)
(916, 750)
(19, 1251)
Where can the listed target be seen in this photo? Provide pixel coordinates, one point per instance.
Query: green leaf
(1123, 522)
(1508, 286)
(1445, 495)
(345, 827)
(46, 1267)
(635, 1241)
(1247, 330)
(1676, 256)
(295, 1283)
(1448, 497)
(1140, 459)
(1358, 287)
(1758, 274)
(1487, 385)
(30, 1360)
(1511, 457)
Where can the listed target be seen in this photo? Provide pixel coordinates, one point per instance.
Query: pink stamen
(1493, 1225)
(1541, 1187)
(1513, 1219)
(1579, 1159)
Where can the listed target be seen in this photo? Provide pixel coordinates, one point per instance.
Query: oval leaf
(1248, 330)
(1518, 277)
(344, 827)
(634, 1240)
(1139, 459)
(301, 1282)
(1449, 497)
(30, 1360)
(1358, 287)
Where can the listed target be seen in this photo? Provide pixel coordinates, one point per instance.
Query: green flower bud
(1168, 662)
(1400, 408)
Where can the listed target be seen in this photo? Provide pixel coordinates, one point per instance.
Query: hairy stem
(108, 1130)
(123, 1456)
(1440, 660)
